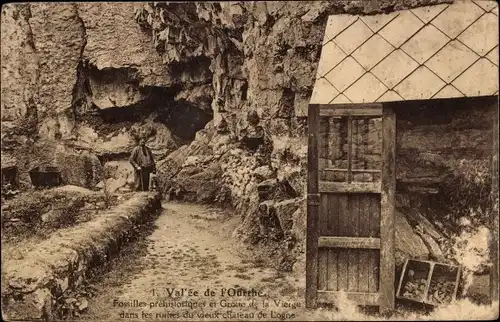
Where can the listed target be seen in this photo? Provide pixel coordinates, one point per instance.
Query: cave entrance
(112, 98)
(113, 110)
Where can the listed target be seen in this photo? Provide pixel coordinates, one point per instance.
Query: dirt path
(190, 249)
(165, 276)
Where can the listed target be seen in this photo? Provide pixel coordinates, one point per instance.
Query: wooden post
(312, 207)
(387, 207)
(494, 213)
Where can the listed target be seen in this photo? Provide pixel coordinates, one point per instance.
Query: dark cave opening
(182, 118)
(112, 100)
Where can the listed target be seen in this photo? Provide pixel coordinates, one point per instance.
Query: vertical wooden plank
(322, 138)
(494, 287)
(323, 253)
(342, 269)
(332, 270)
(352, 282)
(374, 224)
(328, 214)
(328, 137)
(342, 253)
(349, 149)
(322, 269)
(321, 141)
(364, 231)
(312, 207)
(373, 256)
(354, 143)
(333, 139)
(333, 215)
(323, 215)
(366, 129)
(387, 207)
(374, 216)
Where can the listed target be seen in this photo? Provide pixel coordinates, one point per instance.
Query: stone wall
(435, 138)
(31, 286)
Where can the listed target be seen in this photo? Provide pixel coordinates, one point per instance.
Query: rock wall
(88, 78)
(19, 75)
(58, 36)
(190, 74)
(444, 153)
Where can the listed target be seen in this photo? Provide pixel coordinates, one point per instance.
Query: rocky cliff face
(93, 76)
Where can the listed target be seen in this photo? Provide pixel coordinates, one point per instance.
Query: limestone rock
(299, 227)
(408, 244)
(295, 176)
(159, 139)
(189, 171)
(269, 223)
(263, 172)
(120, 171)
(58, 216)
(114, 89)
(114, 184)
(123, 49)
(249, 230)
(207, 192)
(285, 210)
(27, 277)
(59, 42)
(201, 96)
(197, 184)
(19, 62)
(78, 168)
(267, 189)
(50, 216)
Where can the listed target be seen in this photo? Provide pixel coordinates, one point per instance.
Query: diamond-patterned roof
(440, 51)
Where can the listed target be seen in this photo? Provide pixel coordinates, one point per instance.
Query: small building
(399, 101)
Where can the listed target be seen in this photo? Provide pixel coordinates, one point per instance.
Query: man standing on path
(142, 160)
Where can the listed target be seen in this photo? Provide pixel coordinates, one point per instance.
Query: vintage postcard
(249, 160)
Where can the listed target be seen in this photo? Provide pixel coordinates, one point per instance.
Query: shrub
(466, 193)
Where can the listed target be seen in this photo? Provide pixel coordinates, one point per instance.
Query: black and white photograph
(250, 160)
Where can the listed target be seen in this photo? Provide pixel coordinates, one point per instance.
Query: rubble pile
(415, 289)
(441, 290)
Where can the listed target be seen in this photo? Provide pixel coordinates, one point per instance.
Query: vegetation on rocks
(34, 215)
(28, 208)
(61, 261)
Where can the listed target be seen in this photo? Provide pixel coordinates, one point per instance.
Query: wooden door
(351, 186)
